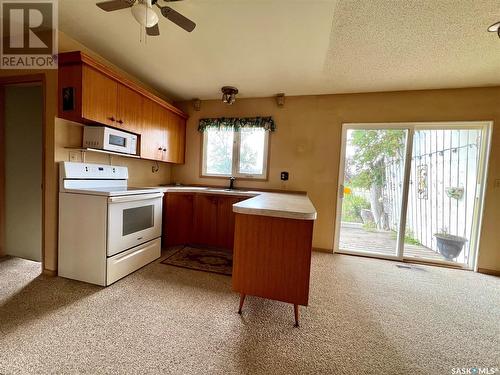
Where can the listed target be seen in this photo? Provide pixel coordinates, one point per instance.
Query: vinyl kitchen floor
(366, 316)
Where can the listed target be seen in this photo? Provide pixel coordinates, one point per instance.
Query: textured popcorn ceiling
(300, 47)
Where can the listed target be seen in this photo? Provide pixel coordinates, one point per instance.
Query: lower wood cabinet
(272, 259)
(205, 220)
(177, 218)
(201, 219)
(226, 220)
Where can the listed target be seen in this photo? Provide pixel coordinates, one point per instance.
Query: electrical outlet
(284, 176)
(75, 156)
(497, 183)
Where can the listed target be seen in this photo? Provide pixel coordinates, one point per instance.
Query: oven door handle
(132, 198)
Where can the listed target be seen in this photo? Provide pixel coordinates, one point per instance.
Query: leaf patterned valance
(235, 123)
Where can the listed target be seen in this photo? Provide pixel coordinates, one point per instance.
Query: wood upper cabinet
(178, 218)
(108, 102)
(99, 95)
(152, 134)
(91, 93)
(175, 137)
(180, 139)
(129, 105)
(163, 134)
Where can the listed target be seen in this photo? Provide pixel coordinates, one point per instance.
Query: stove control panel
(90, 171)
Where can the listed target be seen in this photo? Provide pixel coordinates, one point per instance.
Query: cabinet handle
(160, 149)
(120, 121)
(111, 118)
(164, 149)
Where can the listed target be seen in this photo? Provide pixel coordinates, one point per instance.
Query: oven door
(133, 220)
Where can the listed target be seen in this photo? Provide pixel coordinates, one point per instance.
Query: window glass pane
(252, 151)
(137, 219)
(219, 151)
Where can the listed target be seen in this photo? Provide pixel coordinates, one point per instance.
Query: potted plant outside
(449, 246)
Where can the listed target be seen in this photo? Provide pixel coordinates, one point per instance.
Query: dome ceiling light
(144, 14)
(229, 94)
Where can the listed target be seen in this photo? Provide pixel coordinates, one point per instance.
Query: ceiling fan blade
(112, 5)
(178, 19)
(153, 30)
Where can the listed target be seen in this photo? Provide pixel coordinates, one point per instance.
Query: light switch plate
(75, 156)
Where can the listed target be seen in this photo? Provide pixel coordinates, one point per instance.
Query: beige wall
(308, 137)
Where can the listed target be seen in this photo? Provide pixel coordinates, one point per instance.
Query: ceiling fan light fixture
(495, 28)
(229, 94)
(144, 14)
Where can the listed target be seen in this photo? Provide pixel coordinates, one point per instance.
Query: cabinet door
(129, 109)
(205, 219)
(180, 131)
(152, 132)
(99, 97)
(175, 133)
(225, 221)
(178, 218)
(170, 136)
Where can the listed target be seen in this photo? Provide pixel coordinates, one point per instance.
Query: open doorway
(21, 156)
(413, 191)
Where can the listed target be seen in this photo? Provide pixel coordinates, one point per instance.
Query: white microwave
(108, 139)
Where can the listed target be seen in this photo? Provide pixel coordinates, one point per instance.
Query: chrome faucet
(231, 182)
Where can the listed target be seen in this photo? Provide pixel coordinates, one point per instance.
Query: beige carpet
(365, 316)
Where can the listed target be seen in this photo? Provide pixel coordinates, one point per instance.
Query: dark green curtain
(235, 123)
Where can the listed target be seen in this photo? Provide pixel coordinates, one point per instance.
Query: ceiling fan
(143, 12)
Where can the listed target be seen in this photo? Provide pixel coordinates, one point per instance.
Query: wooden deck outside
(358, 239)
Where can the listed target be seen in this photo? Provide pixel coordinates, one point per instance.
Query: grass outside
(351, 213)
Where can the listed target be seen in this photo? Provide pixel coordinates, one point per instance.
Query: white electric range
(106, 228)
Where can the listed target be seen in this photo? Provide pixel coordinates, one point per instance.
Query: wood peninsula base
(272, 259)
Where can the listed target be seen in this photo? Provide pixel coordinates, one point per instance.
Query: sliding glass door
(412, 191)
(367, 224)
(444, 199)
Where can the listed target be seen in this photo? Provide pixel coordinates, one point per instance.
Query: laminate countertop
(283, 205)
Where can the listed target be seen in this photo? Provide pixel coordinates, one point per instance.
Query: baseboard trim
(322, 250)
(487, 271)
(47, 272)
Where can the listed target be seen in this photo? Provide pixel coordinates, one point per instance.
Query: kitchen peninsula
(272, 235)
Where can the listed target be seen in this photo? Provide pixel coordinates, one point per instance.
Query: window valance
(236, 123)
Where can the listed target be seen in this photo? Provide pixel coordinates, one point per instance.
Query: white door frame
(485, 126)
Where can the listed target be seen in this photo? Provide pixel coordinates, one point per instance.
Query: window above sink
(241, 153)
